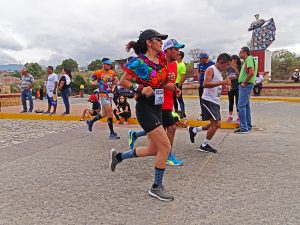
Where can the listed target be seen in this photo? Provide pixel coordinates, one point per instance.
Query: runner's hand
(227, 81)
(147, 91)
(171, 76)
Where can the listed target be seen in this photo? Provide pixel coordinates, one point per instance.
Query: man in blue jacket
(203, 65)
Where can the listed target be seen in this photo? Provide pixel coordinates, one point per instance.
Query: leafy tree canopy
(95, 65)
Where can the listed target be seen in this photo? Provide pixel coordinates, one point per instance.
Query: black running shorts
(167, 118)
(148, 115)
(210, 110)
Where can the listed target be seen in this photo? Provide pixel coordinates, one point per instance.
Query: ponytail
(138, 47)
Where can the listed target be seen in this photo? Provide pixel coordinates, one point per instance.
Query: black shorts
(148, 115)
(167, 118)
(94, 113)
(210, 110)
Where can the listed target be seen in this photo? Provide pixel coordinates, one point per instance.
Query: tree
(70, 64)
(35, 70)
(76, 82)
(95, 65)
(283, 63)
(194, 53)
(58, 69)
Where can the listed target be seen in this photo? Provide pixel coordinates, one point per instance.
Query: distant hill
(10, 67)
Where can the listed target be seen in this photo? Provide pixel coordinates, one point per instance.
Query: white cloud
(49, 31)
(6, 59)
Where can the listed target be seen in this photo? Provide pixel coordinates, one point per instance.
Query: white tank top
(213, 94)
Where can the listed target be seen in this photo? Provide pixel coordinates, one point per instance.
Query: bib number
(219, 92)
(159, 96)
(110, 96)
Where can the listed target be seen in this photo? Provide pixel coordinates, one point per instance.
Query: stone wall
(10, 99)
(289, 91)
(284, 91)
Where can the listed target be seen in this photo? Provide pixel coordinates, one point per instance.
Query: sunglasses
(156, 38)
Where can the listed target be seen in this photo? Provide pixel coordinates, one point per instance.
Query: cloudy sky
(48, 31)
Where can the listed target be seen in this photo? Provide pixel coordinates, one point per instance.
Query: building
(120, 62)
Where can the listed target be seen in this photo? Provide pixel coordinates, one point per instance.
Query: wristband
(137, 88)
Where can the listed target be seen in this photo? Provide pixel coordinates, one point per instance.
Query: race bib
(159, 96)
(110, 96)
(232, 74)
(219, 92)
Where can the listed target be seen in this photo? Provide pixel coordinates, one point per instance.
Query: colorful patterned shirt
(146, 72)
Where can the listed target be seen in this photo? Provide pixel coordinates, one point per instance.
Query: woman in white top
(65, 88)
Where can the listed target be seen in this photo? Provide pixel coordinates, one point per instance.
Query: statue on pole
(263, 33)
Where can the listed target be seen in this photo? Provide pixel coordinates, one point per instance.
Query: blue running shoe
(89, 124)
(132, 139)
(172, 161)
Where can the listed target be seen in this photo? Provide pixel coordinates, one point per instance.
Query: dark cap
(246, 49)
(148, 34)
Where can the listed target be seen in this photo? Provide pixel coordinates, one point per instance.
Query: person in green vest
(246, 81)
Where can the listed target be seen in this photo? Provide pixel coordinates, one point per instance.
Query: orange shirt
(105, 80)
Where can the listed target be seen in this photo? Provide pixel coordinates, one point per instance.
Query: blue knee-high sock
(126, 155)
(158, 178)
(139, 133)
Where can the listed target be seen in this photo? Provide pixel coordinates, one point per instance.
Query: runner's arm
(209, 74)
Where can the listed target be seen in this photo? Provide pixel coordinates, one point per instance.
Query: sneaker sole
(188, 128)
(160, 198)
(114, 138)
(201, 150)
(110, 158)
(129, 136)
(173, 164)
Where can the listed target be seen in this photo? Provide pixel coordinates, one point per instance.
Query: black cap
(148, 34)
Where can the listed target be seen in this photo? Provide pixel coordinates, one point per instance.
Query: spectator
(181, 73)
(51, 85)
(258, 84)
(27, 82)
(203, 65)
(116, 95)
(96, 108)
(65, 88)
(246, 81)
(123, 110)
(233, 94)
(41, 91)
(295, 76)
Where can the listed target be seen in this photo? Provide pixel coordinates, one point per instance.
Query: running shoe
(114, 136)
(240, 131)
(207, 148)
(192, 134)
(172, 161)
(132, 139)
(113, 161)
(229, 119)
(89, 124)
(161, 194)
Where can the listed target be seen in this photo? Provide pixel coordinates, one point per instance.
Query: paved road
(63, 177)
